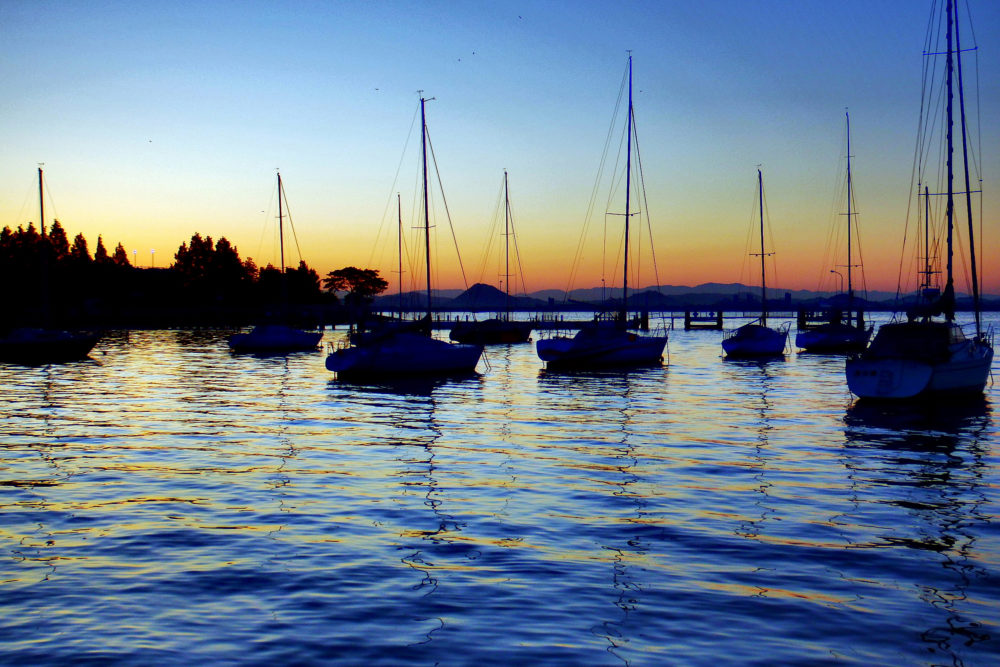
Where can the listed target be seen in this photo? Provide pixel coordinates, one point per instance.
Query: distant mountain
(482, 297)
(706, 292)
(416, 300)
(716, 296)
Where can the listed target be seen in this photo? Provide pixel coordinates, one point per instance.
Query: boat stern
(887, 378)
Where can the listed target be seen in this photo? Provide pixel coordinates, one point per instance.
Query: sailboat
(756, 339)
(925, 356)
(500, 329)
(608, 342)
(40, 345)
(840, 335)
(401, 351)
(276, 337)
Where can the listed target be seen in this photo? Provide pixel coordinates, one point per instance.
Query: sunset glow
(156, 121)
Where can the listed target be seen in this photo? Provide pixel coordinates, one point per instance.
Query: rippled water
(168, 502)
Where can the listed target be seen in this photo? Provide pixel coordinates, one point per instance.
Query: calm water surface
(167, 502)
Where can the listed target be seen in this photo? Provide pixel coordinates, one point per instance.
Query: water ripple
(168, 501)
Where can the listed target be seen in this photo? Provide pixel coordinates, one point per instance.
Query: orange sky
(184, 133)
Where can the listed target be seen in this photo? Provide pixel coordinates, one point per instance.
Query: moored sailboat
(276, 337)
(756, 339)
(500, 329)
(402, 350)
(924, 356)
(839, 334)
(608, 342)
(44, 345)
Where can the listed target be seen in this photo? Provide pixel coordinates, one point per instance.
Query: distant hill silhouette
(707, 296)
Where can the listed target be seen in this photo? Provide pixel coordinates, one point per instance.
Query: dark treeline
(49, 281)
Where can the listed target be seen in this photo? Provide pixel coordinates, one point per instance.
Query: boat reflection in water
(927, 465)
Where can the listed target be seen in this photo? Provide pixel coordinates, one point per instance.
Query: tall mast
(41, 201)
(968, 188)
(506, 234)
(399, 250)
(763, 278)
(850, 285)
(427, 219)
(628, 192)
(927, 239)
(949, 305)
(281, 227)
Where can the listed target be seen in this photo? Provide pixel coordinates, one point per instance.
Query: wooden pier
(699, 320)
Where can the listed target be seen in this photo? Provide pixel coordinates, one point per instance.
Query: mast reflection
(928, 463)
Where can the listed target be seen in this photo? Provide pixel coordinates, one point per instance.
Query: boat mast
(949, 304)
(506, 234)
(628, 192)
(927, 241)
(41, 201)
(281, 246)
(399, 250)
(968, 188)
(427, 220)
(763, 278)
(281, 227)
(850, 285)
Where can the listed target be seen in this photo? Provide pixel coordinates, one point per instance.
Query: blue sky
(157, 120)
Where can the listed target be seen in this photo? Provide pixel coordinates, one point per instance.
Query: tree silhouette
(120, 258)
(303, 282)
(78, 252)
(58, 241)
(361, 285)
(101, 253)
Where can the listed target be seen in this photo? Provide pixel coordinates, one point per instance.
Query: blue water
(167, 502)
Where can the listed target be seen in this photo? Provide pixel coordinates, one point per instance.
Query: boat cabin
(915, 340)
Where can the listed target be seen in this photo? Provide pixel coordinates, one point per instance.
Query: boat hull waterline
(833, 338)
(965, 371)
(590, 349)
(404, 355)
(274, 338)
(491, 332)
(42, 346)
(754, 340)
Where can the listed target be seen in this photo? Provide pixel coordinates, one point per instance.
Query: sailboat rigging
(756, 339)
(500, 329)
(608, 343)
(839, 334)
(276, 337)
(406, 350)
(926, 356)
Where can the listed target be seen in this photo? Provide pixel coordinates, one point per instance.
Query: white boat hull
(964, 372)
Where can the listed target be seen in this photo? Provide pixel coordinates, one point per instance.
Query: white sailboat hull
(965, 371)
